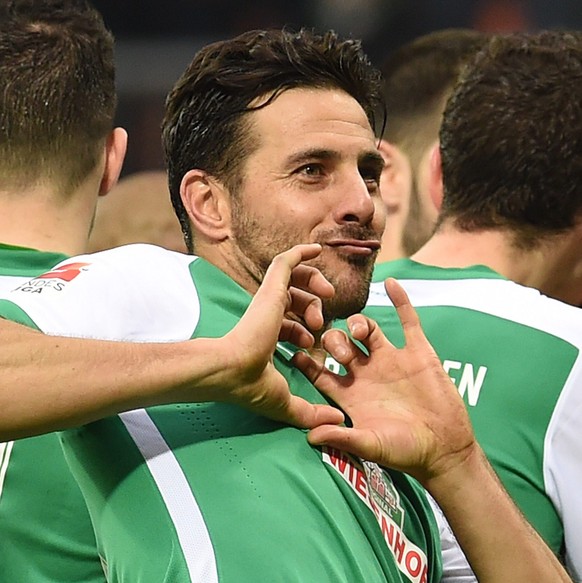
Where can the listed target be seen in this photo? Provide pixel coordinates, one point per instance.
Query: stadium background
(156, 39)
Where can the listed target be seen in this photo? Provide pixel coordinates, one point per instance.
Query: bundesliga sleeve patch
(55, 280)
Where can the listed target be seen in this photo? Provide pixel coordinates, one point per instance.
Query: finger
(306, 306)
(311, 279)
(358, 442)
(359, 326)
(340, 347)
(282, 268)
(367, 331)
(406, 313)
(308, 366)
(296, 333)
(327, 382)
(270, 302)
(307, 415)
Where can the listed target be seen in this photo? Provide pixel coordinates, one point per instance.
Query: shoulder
(136, 258)
(139, 291)
(496, 297)
(130, 265)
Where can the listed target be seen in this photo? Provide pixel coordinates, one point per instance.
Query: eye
(371, 175)
(312, 169)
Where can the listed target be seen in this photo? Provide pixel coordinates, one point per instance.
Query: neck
(317, 352)
(392, 247)
(392, 244)
(229, 259)
(43, 219)
(553, 267)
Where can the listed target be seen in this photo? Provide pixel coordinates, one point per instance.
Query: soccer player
(59, 152)
(417, 79)
(510, 224)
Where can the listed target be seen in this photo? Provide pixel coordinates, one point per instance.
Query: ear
(206, 202)
(435, 178)
(395, 181)
(115, 148)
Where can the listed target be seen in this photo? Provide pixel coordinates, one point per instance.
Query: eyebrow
(311, 154)
(372, 157)
(374, 160)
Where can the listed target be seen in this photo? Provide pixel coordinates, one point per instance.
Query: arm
(51, 383)
(407, 414)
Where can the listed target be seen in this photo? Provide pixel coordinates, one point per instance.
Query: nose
(356, 203)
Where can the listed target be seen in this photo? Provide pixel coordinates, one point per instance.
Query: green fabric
(45, 532)
(273, 507)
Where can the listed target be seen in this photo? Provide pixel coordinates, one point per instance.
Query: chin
(351, 280)
(350, 298)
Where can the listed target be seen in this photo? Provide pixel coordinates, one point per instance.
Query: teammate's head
(57, 100)
(418, 77)
(511, 138)
(137, 211)
(207, 122)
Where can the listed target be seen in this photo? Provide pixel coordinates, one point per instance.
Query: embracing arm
(407, 415)
(49, 383)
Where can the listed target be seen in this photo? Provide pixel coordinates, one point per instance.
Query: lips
(355, 246)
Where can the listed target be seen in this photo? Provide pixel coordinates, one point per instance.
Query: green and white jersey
(45, 531)
(514, 356)
(210, 492)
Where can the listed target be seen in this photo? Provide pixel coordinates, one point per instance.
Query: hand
(289, 294)
(406, 412)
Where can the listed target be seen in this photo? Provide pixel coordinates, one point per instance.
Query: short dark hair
(511, 137)
(57, 101)
(205, 125)
(418, 77)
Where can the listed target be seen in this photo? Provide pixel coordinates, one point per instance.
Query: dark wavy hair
(418, 77)
(511, 138)
(57, 101)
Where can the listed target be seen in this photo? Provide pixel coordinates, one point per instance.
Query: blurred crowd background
(156, 39)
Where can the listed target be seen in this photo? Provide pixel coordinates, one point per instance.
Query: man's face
(312, 179)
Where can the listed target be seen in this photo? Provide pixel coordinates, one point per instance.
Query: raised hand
(406, 412)
(289, 295)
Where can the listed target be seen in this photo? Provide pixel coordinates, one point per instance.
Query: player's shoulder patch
(136, 262)
(135, 292)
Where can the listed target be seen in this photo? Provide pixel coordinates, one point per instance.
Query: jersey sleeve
(135, 293)
(563, 467)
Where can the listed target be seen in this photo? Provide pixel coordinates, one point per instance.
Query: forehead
(301, 119)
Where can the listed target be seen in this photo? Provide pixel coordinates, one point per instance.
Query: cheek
(299, 225)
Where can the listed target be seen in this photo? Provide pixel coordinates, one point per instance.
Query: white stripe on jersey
(180, 501)
(5, 451)
(501, 298)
